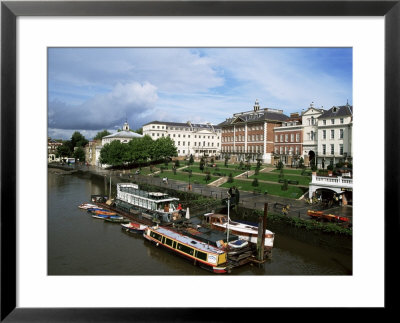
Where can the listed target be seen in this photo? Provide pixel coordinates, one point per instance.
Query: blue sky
(91, 89)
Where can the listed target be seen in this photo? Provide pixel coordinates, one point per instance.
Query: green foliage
(330, 167)
(257, 171)
(255, 182)
(207, 177)
(114, 153)
(230, 178)
(258, 163)
(313, 165)
(301, 163)
(191, 160)
(79, 154)
(285, 185)
(63, 151)
(139, 131)
(177, 163)
(280, 165)
(241, 165)
(78, 140)
(226, 161)
(281, 173)
(163, 148)
(138, 150)
(201, 165)
(101, 134)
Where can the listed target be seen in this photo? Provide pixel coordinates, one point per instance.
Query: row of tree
(138, 150)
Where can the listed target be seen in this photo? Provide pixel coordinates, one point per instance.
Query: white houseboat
(155, 205)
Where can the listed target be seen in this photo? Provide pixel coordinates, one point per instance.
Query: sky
(92, 89)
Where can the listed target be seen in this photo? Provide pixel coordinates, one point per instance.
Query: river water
(81, 245)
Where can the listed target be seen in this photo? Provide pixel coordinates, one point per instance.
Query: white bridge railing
(331, 181)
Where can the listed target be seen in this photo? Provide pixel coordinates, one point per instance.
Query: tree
(191, 160)
(78, 140)
(115, 154)
(280, 165)
(201, 166)
(101, 134)
(285, 185)
(230, 178)
(208, 177)
(255, 182)
(258, 163)
(63, 151)
(79, 154)
(301, 162)
(177, 163)
(163, 148)
(257, 171)
(226, 160)
(139, 131)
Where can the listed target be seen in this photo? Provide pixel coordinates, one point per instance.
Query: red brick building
(250, 134)
(288, 140)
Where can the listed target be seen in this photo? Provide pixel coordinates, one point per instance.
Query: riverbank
(296, 223)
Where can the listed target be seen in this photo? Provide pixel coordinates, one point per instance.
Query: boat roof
(157, 197)
(188, 240)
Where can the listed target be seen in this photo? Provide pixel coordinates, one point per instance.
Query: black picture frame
(10, 10)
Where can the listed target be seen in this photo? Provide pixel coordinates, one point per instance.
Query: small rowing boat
(87, 206)
(134, 227)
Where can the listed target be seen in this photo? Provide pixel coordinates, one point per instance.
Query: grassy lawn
(182, 176)
(273, 189)
(274, 177)
(290, 171)
(212, 170)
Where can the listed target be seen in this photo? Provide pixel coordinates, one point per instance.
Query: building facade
(288, 141)
(52, 146)
(335, 136)
(309, 120)
(189, 138)
(249, 135)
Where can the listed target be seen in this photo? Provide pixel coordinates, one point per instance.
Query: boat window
(201, 255)
(185, 249)
(169, 242)
(156, 235)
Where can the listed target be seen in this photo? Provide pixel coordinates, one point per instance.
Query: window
(158, 127)
(297, 137)
(179, 143)
(152, 134)
(297, 150)
(158, 135)
(324, 122)
(183, 143)
(276, 138)
(323, 149)
(195, 143)
(188, 136)
(332, 121)
(286, 138)
(153, 127)
(332, 134)
(179, 136)
(341, 120)
(341, 134)
(291, 137)
(332, 149)
(323, 134)
(173, 135)
(184, 136)
(183, 151)
(281, 138)
(341, 149)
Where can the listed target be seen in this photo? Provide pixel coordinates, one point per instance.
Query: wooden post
(262, 225)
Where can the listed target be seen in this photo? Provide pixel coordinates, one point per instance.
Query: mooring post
(262, 225)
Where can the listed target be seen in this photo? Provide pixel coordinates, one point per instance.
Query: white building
(335, 136)
(310, 132)
(189, 138)
(124, 136)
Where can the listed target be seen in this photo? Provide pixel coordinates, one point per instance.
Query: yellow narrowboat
(203, 254)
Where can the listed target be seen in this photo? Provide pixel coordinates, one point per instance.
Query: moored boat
(117, 219)
(330, 217)
(134, 227)
(201, 253)
(243, 231)
(104, 212)
(87, 206)
(107, 217)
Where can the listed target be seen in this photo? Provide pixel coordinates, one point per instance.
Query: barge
(206, 256)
